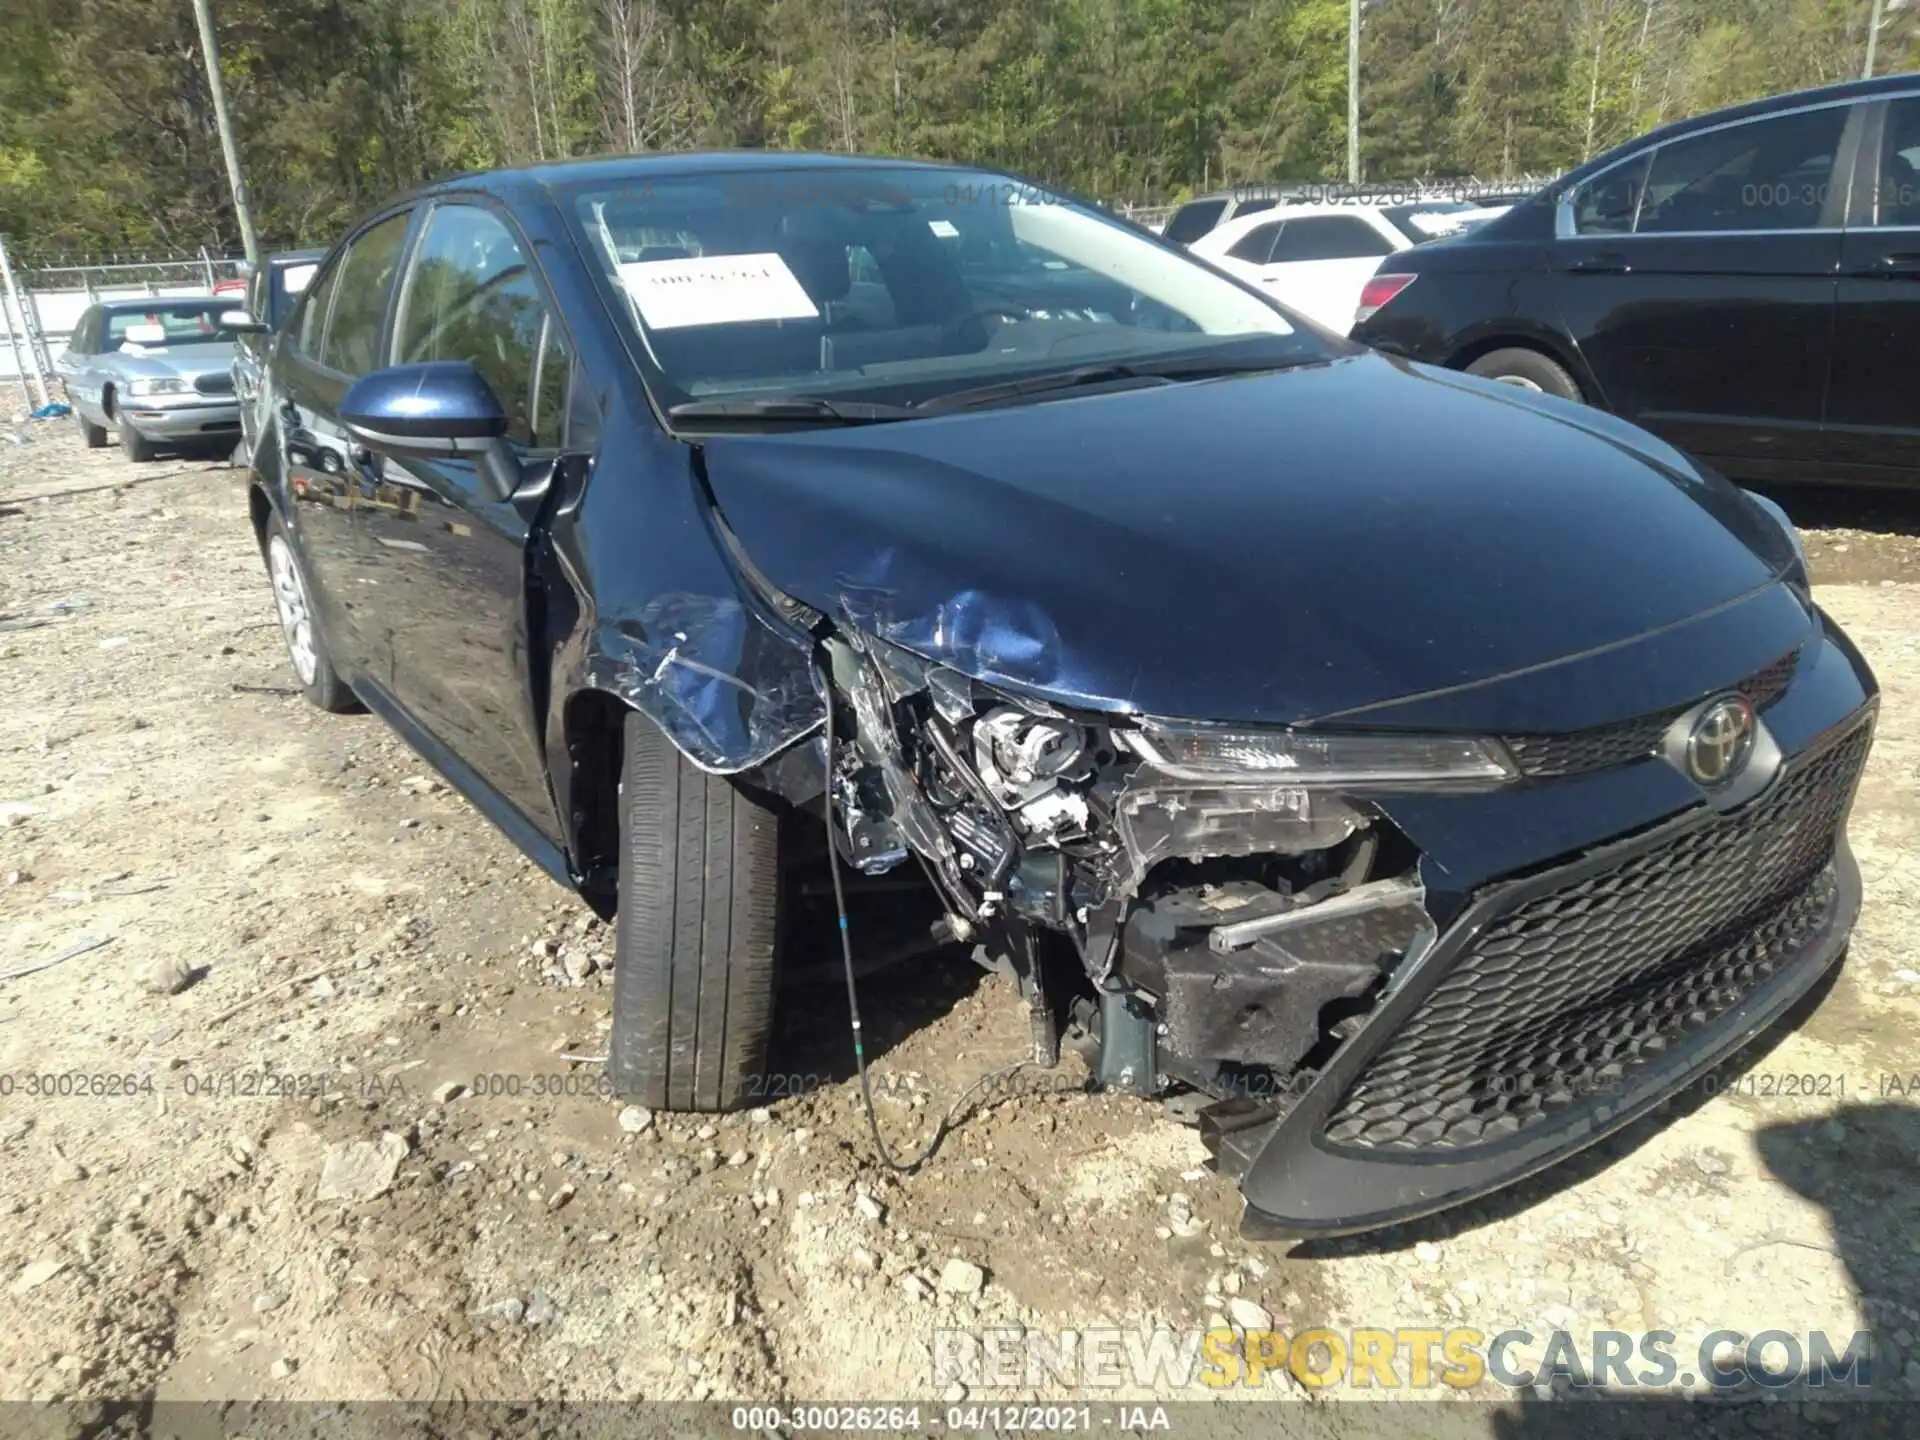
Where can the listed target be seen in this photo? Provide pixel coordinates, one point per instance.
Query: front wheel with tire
(1527, 370)
(699, 914)
(93, 436)
(133, 444)
(305, 649)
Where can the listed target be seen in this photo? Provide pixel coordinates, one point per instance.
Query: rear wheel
(699, 911)
(306, 651)
(1527, 370)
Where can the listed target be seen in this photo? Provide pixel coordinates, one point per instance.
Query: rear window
(188, 323)
(1193, 220)
(1427, 222)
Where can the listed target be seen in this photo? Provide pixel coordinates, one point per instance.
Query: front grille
(214, 384)
(1571, 991)
(1576, 752)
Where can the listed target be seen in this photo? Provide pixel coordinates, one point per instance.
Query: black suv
(1742, 284)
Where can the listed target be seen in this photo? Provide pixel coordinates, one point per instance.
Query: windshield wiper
(1181, 367)
(802, 408)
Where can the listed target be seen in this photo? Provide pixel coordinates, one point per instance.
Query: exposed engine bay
(1229, 932)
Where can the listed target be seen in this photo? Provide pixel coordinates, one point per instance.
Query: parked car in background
(1317, 258)
(1745, 284)
(1200, 214)
(156, 369)
(1435, 777)
(271, 290)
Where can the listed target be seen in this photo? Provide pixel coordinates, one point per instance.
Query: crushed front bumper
(1559, 1006)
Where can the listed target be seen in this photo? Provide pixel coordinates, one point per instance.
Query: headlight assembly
(158, 385)
(1307, 758)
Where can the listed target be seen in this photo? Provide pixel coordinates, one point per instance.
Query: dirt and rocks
(301, 1095)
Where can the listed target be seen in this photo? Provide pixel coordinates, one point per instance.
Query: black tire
(93, 436)
(1528, 370)
(134, 445)
(699, 913)
(323, 687)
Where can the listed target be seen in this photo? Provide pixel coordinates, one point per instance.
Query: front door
(1704, 303)
(454, 558)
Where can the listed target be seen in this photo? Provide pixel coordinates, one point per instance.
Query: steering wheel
(957, 327)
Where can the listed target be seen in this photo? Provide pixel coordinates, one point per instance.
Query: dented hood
(1275, 549)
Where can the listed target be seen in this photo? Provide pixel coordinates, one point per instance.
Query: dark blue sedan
(1434, 774)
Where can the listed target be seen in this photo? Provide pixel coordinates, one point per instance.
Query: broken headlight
(1300, 758)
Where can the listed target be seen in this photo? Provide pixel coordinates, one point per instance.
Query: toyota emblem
(1720, 741)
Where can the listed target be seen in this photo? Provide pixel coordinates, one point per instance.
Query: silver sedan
(158, 369)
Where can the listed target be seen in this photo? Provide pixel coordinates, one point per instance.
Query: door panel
(454, 559)
(1710, 319)
(327, 346)
(1873, 416)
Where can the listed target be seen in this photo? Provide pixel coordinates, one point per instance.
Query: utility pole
(1353, 90)
(210, 48)
(1873, 40)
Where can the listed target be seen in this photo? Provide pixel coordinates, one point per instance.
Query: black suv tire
(699, 914)
(1528, 370)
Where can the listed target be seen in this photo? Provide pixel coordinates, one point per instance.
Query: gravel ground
(345, 1147)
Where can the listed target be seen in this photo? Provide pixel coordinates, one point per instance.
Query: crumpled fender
(667, 623)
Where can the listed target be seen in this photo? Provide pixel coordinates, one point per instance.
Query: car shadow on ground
(1863, 1180)
(905, 981)
(1516, 1199)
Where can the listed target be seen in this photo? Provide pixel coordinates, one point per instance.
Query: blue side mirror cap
(435, 407)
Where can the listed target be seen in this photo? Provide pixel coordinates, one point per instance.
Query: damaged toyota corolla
(1427, 775)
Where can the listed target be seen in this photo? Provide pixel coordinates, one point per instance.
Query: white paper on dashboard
(715, 290)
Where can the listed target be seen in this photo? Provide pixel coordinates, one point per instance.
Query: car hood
(1272, 549)
(188, 362)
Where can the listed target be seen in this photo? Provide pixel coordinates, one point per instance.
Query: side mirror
(437, 410)
(240, 322)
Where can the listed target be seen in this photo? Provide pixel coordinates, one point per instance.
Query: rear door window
(1257, 244)
(352, 344)
(1329, 237)
(1897, 198)
(1193, 220)
(1605, 205)
(1770, 174)
(84, 329)
(313, 314)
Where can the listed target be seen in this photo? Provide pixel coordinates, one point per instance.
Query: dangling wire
(887, 1157)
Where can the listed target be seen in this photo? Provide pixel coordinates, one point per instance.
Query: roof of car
(610, 169)
(149, 302)
(1791, 100)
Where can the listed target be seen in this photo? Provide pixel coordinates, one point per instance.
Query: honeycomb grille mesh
(1578, 751)
(1568, 993)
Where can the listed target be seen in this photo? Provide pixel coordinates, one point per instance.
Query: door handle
(1607, 262)
(1893, 265)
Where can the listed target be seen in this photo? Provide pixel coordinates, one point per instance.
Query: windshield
(187, 322)
(896, 285)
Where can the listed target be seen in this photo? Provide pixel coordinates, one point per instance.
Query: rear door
(1873, 414)
(333, 338)
(1699, 282)
(1320, 263)
(454, 558)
